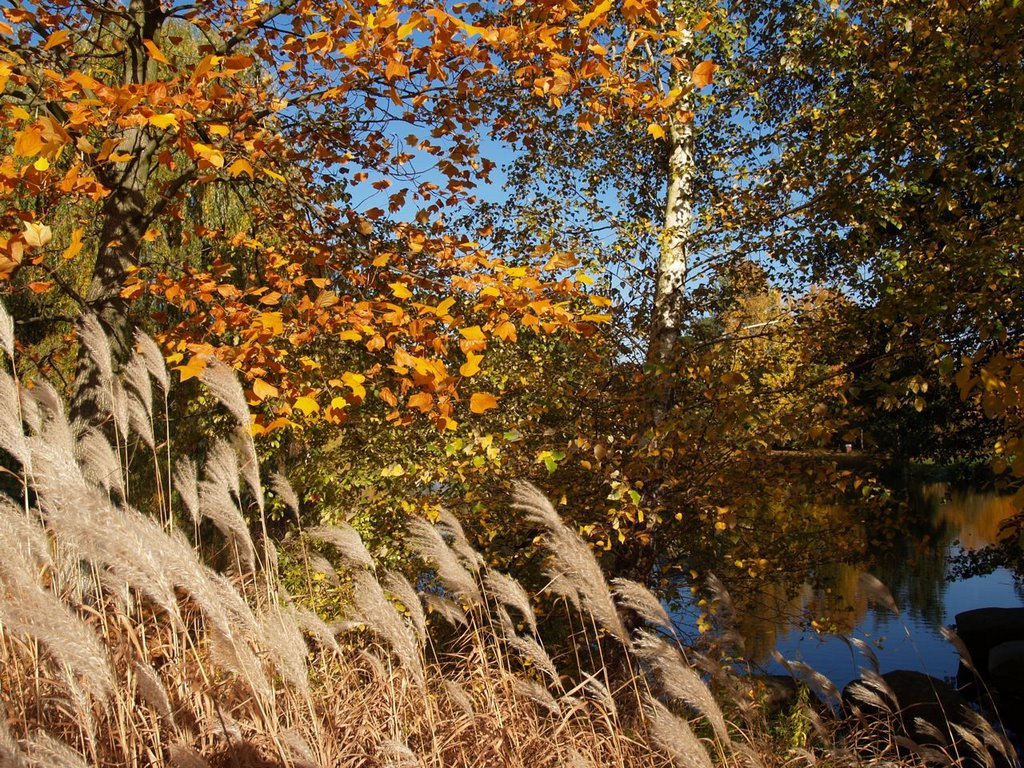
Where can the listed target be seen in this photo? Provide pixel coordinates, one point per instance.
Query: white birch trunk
(669, 313)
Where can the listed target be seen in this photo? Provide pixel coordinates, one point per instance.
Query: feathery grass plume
(10, 752)
(572, 559)
(6, 332)
(970, 737)
(636, 597)
(458, 696)
(346, 540)
(961, 649)
(97, 344)
(725, 614)
(136, 374)
(397, 754)
(45, 750)
(235, 656)
(283, 488)
(28, 610)
(876, 592)
(154, 360)
(428, 543)
(31, 412)
(403, 591)
(249, 463)
(118, 407)
(140, 420)
(997, 742)
(24, 534)
(814, 679)
(380, 616)
(187, 486)
(222, 381)
(299, 752)
(183, 756)
(673, 735)
(12, 431)
(217, 493)
(599, 692)
(865, 650)
(152, 692)
(320, 564)
(281, 637)
(48, 399)
(447, 609)
(472, 559)
(510, 592)
(534, 652)
(680, 681)
(538, 694)
(100, 463)
(317, 628)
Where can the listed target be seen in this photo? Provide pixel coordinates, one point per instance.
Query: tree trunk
(124, 218)
(670, 297)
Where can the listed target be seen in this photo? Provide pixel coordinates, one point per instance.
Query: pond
(796, 619)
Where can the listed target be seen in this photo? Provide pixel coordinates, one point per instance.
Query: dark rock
(982, 629)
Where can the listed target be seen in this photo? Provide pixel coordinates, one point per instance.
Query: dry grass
(120, 646)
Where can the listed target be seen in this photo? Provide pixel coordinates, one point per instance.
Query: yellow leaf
(594, 17)
(37, 235)
(218, 130)
(399, 290)
(704, 73)
(263, 390)
(472, 365)
(155, 53)
(350, 335)
(164, 121)
(239, 167)
(472, 333)
(192, 369)
(407, 29)
(656, 131)
(395, 470)
(444, 306)
(120, 157)
(307, 405)
(354, 381)
(41, 164)
(56, 39)
(482, 401)
(273, 174)
(75, 246)
(19, 112)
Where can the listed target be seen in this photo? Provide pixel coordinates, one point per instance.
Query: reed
(120, 645)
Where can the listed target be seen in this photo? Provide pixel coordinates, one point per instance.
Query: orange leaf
(56, 39)
(422, 401)
(594, 17)
(239, 167)
(701, 25)
(155, 53)
(262, 390)
(40, 286)
(482, 401)
(75, 246)
(704, 73)
(472, 365)
(472, 333)
(656, 131)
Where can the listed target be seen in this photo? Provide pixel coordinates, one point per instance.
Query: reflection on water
(910, 556)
